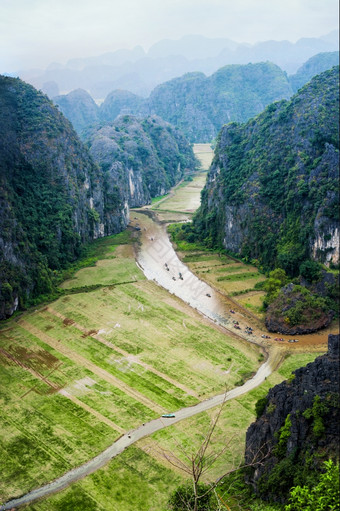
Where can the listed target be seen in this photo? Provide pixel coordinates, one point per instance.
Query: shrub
(260, 406)
(283, 435)
(183, 498)
(322, 497)
(311, 271)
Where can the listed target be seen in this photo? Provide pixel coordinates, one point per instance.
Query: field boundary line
(129, 356)
(35, 373)
(102, 373)
(91, 410)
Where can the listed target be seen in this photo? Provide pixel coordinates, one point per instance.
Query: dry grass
(186, 197)
(205, 154)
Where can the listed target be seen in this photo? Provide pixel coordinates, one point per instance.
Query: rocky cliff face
(314, 66)
(196, 104)
(140, 158)
(271, 193)
(79, 108)
(121, 102)
(296, 311)
(299, 427)
(200, 105)
(52, 196)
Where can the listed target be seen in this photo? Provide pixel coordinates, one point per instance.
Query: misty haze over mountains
(140, 72)
(195, 103)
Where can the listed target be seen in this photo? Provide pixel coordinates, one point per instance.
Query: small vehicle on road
(168, 415)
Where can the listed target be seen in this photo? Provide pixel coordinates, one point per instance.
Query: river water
(160, 263)
(155, 251)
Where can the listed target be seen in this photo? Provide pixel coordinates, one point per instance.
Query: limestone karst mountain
(271, 192)
(54, 197)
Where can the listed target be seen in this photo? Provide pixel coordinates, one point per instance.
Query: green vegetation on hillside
(276, 175)
(79, 107)
(200, 105)
(54, 198)
(45, 210)
(314, 66)
(140, 158)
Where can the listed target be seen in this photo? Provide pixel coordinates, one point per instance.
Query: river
(159, 262)
(156, 250)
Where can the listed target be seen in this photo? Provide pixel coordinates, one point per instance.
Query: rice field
(92, 365)
(141, 477)
(98, 362)
(232, 277)
(185, 198)
(205, 154)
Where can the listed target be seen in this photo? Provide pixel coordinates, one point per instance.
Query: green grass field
(94, 364)
(141, 478)
(233, 278)
(205, 154)
(186, 198)
(91, 365)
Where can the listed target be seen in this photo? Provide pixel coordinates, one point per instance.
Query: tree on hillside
(197, 496)
(322, 497)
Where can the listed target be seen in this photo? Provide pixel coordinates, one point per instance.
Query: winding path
(151, 257)
(133, 436)
(155, 250)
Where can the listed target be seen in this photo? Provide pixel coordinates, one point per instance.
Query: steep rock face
(52, 196)
(196, 104)
(271, 192)
(200, 105)
(298, 428)
(314, 66)
(121, 102)
(79, 108)
(140, 158)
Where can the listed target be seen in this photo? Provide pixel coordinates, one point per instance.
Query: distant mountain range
(314, 66)
(197, 104)
(140, 72)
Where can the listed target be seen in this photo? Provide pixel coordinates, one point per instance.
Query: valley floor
(95, 364)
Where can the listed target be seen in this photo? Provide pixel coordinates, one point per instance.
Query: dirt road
(194, 292)
(145, 430)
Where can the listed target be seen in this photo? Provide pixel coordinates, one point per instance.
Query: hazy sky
(34, 33)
